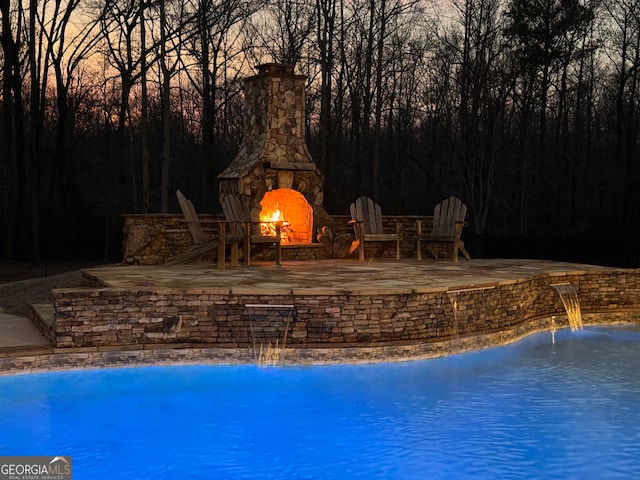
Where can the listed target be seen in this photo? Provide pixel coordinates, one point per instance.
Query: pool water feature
(535, 409)
(274, 319)
(569, 296)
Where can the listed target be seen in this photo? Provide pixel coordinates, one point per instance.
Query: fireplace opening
(290, 207)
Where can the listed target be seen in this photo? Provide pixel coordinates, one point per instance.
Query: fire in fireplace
(273, 172)
(290, 207)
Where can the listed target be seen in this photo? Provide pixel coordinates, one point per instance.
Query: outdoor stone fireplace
(273, 172)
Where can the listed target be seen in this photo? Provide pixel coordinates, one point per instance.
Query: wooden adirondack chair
(201, 245)
(366, 217)
(448, 222)
(241, 227)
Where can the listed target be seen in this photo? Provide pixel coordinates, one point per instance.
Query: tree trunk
(8, 160)
(166, 114)
(375, 168)
(144, 112)
(33, 168)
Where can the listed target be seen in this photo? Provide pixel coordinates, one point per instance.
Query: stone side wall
(153, 239)
(48, 358)
(112, 317)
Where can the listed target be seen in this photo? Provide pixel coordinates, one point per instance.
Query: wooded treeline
(529, 110)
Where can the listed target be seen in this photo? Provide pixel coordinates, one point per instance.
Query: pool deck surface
(329, 276)
(320, 276)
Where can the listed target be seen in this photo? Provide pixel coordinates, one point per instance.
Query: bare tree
(214, 42)
(404, 84)
(167, 70)
(482, 103)
(67, 52)
(284, 29)
(541, 35)
(144, 105)
(326, 11)
(13, 120)
(118, 21)
(622, 37)
(354, 28)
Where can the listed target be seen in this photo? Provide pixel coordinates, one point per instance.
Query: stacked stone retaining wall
(101, 317)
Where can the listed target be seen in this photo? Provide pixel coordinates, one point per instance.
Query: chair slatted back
(445, 216)
(190, 215)
(236, 213)
(367, 211)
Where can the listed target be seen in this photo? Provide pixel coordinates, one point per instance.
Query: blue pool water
(535, 409)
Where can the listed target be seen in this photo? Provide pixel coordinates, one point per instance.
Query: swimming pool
(535, 409)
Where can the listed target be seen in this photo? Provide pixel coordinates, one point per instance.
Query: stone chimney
(273, 154)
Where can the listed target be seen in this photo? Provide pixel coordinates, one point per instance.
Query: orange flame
(268, 221)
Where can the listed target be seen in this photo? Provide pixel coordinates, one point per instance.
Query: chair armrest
(200, 220)
(358, 226)
(426, 222)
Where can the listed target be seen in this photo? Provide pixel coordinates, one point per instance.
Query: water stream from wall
(569, 296)
(478, 306)
(453, 299)
(269, 352)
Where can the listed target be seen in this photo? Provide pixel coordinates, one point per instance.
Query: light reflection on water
(535, 409)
